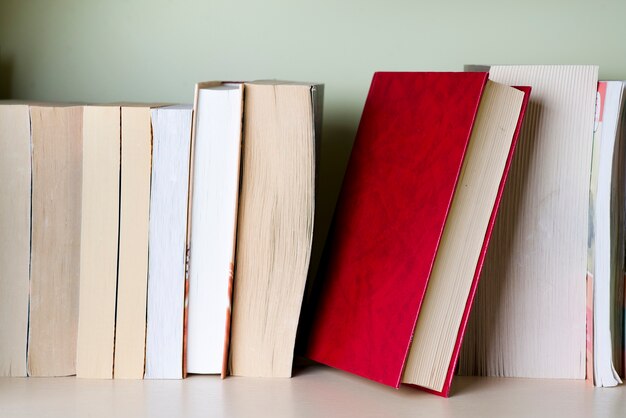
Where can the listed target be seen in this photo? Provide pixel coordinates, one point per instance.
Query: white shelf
(315, 391)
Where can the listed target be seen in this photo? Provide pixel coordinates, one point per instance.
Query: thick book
(15, 227)
(57, 133)
(171, 127)
(529, 315)
(218, 110)
(605, 265)
(132, 273)
(275, 224)
(412, 225)
(99, 241)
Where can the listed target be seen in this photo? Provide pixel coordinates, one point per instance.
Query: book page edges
(445, 392)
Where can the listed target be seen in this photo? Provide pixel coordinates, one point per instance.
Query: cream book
(171, 127)
(529, 313)
(213, 222)
(55, 253)
(132, 274)
(275, 224)
(462, 241)
(99, 241)
(15, 189)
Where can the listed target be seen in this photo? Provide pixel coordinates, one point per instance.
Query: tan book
(15, 188)
(55, 257)
(275, 224)
(99, 241)
(130, 331)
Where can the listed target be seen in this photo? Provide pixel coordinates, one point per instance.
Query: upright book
(281, 135)
(57, 133)
(213, 224)
(15, 189)
(171, 127)
(132, 276)
(529, 316)
(606, 238)
(99, 241)
(412, 225)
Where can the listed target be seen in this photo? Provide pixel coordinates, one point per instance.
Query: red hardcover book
(390, 217)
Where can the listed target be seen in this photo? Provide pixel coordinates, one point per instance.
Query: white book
(605, 264)
(529, 313)
(171, 127)
(214, 194)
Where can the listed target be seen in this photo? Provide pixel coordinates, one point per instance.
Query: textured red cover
(393, 205)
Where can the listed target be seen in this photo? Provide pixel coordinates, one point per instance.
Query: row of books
(120, 226)
(479, 230)
(424, 214)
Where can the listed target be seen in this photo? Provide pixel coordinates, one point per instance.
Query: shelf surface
(315, 391)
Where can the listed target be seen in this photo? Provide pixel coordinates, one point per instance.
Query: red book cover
(395, 198)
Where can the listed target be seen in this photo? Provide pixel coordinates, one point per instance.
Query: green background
(155, 50)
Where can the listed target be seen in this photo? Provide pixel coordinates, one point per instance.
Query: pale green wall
(155, 50)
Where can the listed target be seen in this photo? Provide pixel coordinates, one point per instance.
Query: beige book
(99, 241)
(130, 331)
(15, 188)
(275, 225)
(529, 312)
(441, 313)
(55, 257)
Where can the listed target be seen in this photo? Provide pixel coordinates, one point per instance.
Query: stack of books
(121, 227)
(479, 230)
